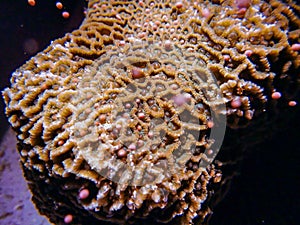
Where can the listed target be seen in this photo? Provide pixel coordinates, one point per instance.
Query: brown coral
(123, 106)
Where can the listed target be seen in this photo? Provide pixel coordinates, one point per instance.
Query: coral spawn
(115, 120)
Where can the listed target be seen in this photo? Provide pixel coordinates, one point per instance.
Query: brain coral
(115, 120)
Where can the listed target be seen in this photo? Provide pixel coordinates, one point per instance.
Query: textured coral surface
(92, 103)
(15, 204)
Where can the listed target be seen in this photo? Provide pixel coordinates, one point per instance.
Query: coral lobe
(133, 69)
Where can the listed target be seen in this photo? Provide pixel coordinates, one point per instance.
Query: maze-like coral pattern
(92, 104)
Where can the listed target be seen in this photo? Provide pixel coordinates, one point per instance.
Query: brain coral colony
(119, 121)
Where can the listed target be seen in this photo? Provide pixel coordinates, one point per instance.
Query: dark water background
(267, 192)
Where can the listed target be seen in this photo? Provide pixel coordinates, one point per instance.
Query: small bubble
(65, 14)
(179, 5)
(292, 103)
(137, 73)
(31, 2)
(210, 124)
(122, 153)
(236, 103)
(68, 218)
(276, 95)
(59, 5)
(248, 53)
(31, 46)
(296, 47)
(84, 193)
